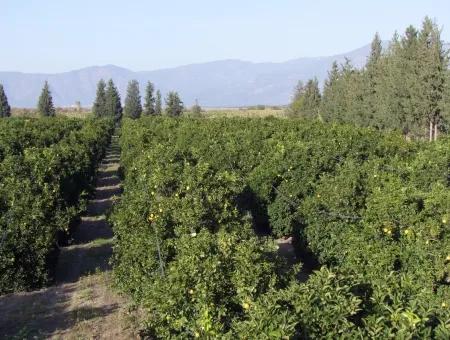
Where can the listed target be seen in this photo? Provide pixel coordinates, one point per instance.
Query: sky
(49, 36)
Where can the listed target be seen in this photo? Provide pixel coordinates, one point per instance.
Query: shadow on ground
(79, 298)
(43, 313)
(91, 246)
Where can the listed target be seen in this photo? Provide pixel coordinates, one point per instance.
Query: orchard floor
(82, 304)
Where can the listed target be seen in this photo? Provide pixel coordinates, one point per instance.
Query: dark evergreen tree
(133, 106)
(158, 103)
(113, 106)
(370, 82)
(45, 103)
(404, 87)
(5, 109)
(433, 75)
(392, 92)
(306, 100)
(375, 50)
(328, 109)
(444, 124)
(343, 95)
(149, 104)
(351, 95)
(174, 105)
(99, 107)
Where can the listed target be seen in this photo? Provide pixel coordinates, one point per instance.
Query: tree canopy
(45, 103)
(133, 106)
(174, 105)
(5, 109)
(404, 87)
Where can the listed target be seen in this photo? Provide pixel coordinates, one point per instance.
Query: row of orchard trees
(107, 101)
(5, 109)
(405, 87)
(45, 105)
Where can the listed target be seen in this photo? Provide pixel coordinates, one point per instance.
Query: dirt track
(82, 304)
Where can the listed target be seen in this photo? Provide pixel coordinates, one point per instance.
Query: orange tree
(45, 176)
(204, 199)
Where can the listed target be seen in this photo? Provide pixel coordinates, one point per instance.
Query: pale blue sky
(61, 35)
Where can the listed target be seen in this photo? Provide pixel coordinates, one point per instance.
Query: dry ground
(82, 304)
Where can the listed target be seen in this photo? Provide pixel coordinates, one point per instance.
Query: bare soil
(82, 304)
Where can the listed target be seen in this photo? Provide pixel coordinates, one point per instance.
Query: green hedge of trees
(405, 86)
(204, 199)
(47, 167)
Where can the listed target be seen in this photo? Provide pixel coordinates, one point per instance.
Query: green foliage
(45, 175)
(196, 109)
(149, 104)
(174, 105)
(113, 106)
(5, 109)
(325, 306)
(404, 87)
(158, 103)
(212, 280)
(371, 207)
(133, 106)
(99, 107)
(306, 99)
(45, 105)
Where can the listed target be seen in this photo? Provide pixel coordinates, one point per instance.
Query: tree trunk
(431, 130)
(436, 131)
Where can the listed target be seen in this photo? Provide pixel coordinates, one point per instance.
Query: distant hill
(224, 83)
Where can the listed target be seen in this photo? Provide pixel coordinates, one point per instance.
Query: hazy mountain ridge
(218, 83)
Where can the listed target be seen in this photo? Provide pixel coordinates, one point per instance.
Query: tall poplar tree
(307, 98)
(113, 106)
(158, 103)
(99, 107)
(149, 102)
(328, 109)
(133, 106)
(371, 80)
(432, 76)
(5, 109)
(174, 105)
(45, 104)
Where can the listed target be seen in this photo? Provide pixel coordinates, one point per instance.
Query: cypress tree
(158, 103)
(376, 49)
(392, 90)
(409, 89)
(99, 107)
(371, 79)
(444, 124)
(5, 109)
(149, 104)
(113, 106)
(328, 103)
(343, 95)
(133, 106)
(174, 105)
(45, 104)
(433, 68)
(405, 87)
(306, 99)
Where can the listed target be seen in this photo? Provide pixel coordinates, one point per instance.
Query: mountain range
(224, 83)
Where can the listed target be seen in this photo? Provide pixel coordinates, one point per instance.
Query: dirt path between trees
(82, 304)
